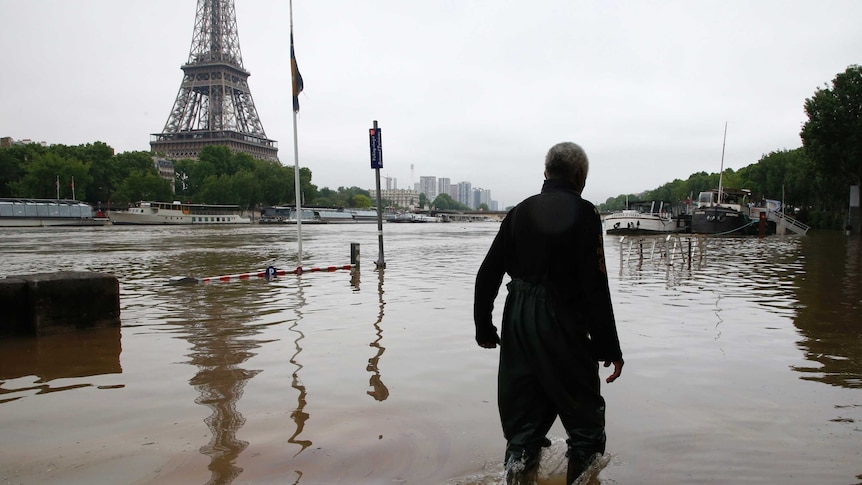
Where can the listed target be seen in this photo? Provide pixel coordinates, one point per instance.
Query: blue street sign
(376, 147)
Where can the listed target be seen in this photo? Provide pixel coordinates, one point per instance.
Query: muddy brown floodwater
(743, 367)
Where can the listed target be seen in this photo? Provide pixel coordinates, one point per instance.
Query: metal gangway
(783, 221)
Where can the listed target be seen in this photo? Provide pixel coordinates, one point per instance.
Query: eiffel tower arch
(214, 104)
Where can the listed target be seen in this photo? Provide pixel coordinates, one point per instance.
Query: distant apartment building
(453, 191)
(443, 184)
(465, 194)
(397, 197)
(481, 196)
(391, 183)
(428, 186)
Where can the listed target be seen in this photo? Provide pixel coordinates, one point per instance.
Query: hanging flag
(296, 77)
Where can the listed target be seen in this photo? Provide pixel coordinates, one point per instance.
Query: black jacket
(553, 239)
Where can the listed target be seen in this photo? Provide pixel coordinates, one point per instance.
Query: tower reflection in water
(220, 332)
(220, 326)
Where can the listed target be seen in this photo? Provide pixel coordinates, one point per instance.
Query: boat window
(705, 198)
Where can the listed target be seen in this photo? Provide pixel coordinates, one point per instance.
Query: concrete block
(69, 300)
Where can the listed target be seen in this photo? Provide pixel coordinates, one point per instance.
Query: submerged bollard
(354, 253)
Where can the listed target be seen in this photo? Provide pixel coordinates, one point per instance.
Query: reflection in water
(379, 392)
(83, 353)
(219, 333)
(298, 415)
(830, 300)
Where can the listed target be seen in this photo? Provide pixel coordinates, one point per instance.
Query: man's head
(567, 161)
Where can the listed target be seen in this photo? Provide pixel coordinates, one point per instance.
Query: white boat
(346, 216)
(410, 217)
(178, 213)
(645, 218)
(310, 215)
(16, 212)
(287, 215)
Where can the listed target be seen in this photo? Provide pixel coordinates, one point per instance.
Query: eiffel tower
(214, 104)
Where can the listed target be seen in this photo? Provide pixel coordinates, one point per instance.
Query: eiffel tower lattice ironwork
(214, 105)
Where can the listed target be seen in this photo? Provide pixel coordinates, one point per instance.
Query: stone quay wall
(48, 303)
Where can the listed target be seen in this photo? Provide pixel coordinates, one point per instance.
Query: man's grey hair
(567, 161)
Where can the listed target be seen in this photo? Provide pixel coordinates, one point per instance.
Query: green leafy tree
(444, 202)
(12, 162)
(142, 186)
(246, 188)
(48, 173)
(219, 157)
(109, 174)
(273, 181)
(361, 201)
(785, 173)
(216, 189)
(617, 203)
(327, 197)
(343, 197)
(832, 136)
(309, 190)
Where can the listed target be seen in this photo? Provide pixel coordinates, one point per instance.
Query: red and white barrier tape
(268, 273)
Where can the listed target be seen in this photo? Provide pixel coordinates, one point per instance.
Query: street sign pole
(376, 143)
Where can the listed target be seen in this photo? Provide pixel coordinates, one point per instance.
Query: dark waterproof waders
(546, 371)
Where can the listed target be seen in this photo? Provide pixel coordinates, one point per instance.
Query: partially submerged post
(854, 215)
(354, 254)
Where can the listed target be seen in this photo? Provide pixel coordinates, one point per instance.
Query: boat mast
(721, 172)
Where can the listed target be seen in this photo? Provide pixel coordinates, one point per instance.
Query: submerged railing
(669, 249)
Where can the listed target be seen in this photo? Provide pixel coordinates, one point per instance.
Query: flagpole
(295, 145)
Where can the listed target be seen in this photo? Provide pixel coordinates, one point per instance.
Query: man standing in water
(558, 322)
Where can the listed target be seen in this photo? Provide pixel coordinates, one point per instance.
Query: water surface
(743, 363)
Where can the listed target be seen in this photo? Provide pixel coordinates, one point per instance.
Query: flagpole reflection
(298, 415)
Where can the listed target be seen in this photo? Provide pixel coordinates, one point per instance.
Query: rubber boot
(523, 469)
(578, 464)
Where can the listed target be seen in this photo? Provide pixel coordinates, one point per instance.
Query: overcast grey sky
(474, 90)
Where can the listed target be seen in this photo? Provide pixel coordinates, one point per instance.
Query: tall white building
(428, 186)
(481, 196)
(443, 186)
(465, 194)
